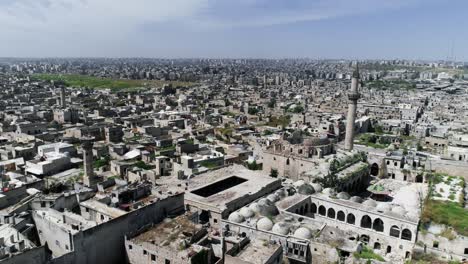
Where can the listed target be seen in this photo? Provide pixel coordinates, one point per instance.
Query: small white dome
(412, 215)
(246, 212)
(317, 187)
(273, 198)
(281, 193)
(328, 191)
(369, 203)
(303, 232)
(343, 196)
(264, 201)
(264, 224)
(236, 217)
(266, 207)
(281, 228)
(399, 210)
(298, 183)
(356, 199)
(306, 189)
(383, 207)
(255, 207)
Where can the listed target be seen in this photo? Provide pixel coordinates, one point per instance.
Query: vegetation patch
(373, 141)
(104, 161)
(391, 85)
(77, 80)
(282, 121)
(446, 213)
(142, 165)
(367, 253)
(209, 164)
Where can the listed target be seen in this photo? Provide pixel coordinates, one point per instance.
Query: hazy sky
(412, 29)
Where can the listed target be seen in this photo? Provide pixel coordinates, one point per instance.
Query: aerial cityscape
(208, 150)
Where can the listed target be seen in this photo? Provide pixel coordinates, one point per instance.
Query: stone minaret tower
(353, 97)
(63, 103)
(88, 178)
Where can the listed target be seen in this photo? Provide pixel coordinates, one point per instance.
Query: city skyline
(337, 29)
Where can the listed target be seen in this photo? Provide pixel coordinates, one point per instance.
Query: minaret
(89, 178)
(353, 97)
(63, 103)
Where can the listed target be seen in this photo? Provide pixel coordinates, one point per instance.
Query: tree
(254, 166)
(298, 109)
(378, 129)
(252, 111)
(272, 103)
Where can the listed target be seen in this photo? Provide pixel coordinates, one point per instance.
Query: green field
(452, 214)
(76, 80)
(390, 85)
(447, 213)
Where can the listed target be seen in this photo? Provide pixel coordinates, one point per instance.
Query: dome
(264, 202)
(317, 187)
(316, 141)
(343, 196)
(264, 207)
(264, 224)
(236, 217)
(412, 215)
(281, 193)
(269, 210)
(369, 203)
(298, 183)
(246, 212)
(399, 210)
(328, 191)
(273, 198)
(383, 207)
(356, 199)
(281, 228)
(306, 189)
(255, 207)
(303, 232)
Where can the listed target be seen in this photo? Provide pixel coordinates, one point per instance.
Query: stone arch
(287, 161)
(313, 208)
(377, 245)
(306, 208)
(322, 210)
(395, 231)
(406, 234)
(351, 219)
(378, 225)
(366, 222)
(389, 249)
(419, 178)
(331, 213)
(340, 216)
(374, 169)
(364, 239)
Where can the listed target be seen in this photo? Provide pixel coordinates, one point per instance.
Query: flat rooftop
(256, 252)
(169, 233)
(219, 187)
(103, 208)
